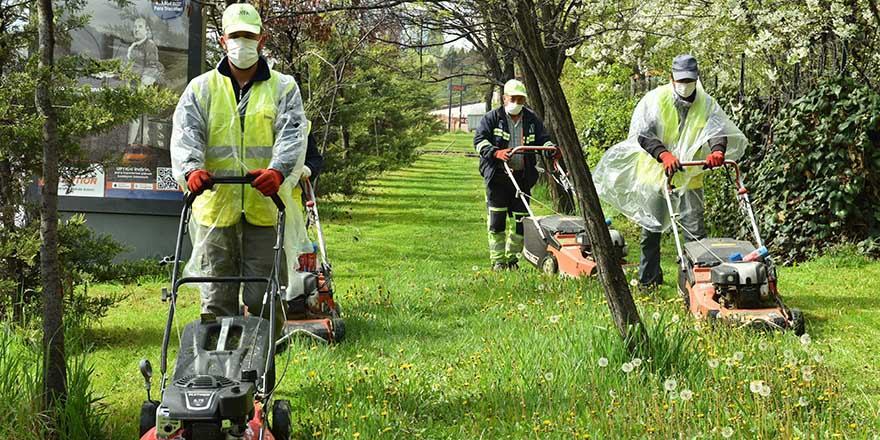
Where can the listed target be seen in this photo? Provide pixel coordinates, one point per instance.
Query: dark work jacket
(314, 159)
(490, 137)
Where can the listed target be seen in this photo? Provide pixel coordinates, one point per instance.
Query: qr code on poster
(165, 180)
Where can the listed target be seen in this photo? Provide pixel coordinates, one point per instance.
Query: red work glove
(503, 154)
(198, 181)
(267, 181)
(670, 163)
(715, 159)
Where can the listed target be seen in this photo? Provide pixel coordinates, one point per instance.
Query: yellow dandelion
(356, 434)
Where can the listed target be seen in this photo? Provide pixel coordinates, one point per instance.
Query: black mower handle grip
(702, 163)
(530, 148)
(247, 179)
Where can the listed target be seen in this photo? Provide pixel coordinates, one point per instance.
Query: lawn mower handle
(247, 179)
(702, 163)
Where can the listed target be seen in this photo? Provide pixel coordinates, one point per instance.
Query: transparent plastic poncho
(632, 181)
(286, 154)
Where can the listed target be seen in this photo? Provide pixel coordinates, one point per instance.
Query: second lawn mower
(729, 279)
(558, 243)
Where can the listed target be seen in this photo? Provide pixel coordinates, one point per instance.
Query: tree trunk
(620, 301)
(54, 366)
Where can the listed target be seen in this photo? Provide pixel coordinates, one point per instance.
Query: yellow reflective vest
(233, 146)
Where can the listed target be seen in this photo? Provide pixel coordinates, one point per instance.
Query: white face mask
(242, 52)
(685, 90)
(513, 108)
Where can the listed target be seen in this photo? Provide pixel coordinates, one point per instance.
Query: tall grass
(80, 417)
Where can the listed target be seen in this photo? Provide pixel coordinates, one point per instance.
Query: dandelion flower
(738, 356)
(713, 363)
(674, 318)
(475, 268)
(548, 376)
(612, 393)
(803, 402)
(762, 345)
(603, 362)
(633, 282)
(554, 319)
(818, 358)
(756, 385)
(806, 369)
(670, 384)
(729, 362)
(697, 327)
(540, 287)
(806, 339)
(627, 367)
(656, 316)
(686, 394)
(520, 307)
(808, 377)
(637, 362)
(765, 390)
(788, 354)
(726, 432)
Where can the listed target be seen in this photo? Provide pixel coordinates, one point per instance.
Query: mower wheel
(338, 330)
(798, 323)
(549, 265)
(682, 289)
(281, 420)
(148, 416)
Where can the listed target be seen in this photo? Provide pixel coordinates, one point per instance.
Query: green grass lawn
(439, 347)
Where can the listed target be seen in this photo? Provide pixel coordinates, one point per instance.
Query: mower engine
(207, 407)
(741, 285)
(617, 241)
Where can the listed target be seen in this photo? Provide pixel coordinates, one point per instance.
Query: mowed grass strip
(439, 347)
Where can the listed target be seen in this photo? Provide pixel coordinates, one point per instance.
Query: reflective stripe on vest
(229, 151)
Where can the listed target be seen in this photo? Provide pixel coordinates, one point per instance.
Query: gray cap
(684, 67)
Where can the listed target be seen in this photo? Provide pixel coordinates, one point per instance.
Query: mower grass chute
(224, 375)
(559, 243)
(729, 279)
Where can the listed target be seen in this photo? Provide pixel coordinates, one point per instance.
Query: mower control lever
(247, 179)
(702, 163)
(147, 372)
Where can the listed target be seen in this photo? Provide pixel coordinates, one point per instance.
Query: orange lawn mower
(313, 313)
(558, 243)
(728, 279)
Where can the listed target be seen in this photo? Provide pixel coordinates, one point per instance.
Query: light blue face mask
(685, 90)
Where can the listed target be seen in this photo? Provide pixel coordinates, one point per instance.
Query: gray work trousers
(239, 250)
(693, 227)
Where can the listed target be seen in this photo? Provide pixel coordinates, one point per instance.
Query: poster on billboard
(152, 37)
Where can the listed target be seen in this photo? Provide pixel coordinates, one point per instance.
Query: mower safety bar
(702, 163)
(190, 280)
(237, 180)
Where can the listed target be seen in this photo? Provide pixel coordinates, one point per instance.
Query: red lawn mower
(558, 243)
(730, 279)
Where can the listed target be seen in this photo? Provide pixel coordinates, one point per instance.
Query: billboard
(152, 37)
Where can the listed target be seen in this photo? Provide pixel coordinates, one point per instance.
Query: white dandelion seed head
(475, 268)
(674, 318)
(806, 369)
(762, 345)
(806, 339)
(803, 401)
(612, 393)
(697, 326)
(670, 384)
(726, 432)
(633, 282)
(548, 376)
(788, 354)
(539, 302)
(627, 367)
(765, 390)
(637, 362)
(540, 287)
(520, 307)
(656, 316)
(818, 358)
(756, 385)
(713, 363)
(730, 362)
(807, 377)
(686, 394)
(603, 362)
(554, 319)
(739, 356)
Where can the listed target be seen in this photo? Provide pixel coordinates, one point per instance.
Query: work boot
(499, 266)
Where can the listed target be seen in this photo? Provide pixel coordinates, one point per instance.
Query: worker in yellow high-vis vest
(240, 118)
(675, 122)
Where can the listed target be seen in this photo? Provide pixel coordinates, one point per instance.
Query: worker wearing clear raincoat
(240, 118)
(672, 123)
